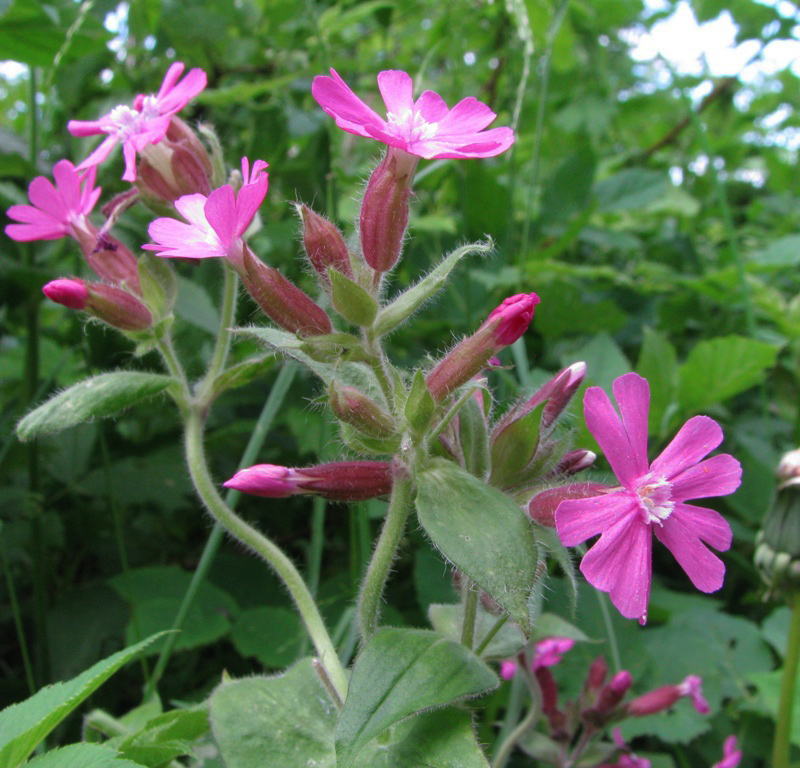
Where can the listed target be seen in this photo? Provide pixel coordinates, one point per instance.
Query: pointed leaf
(474, 438)
(400, 672)
(24, 725)
(515, 446)
(419, 406)
(483, 533)
(81, 756)
(350, 300)
(410, 301)
(94, 398)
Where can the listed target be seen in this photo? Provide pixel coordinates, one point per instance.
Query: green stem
(470, 613)
(18, 625)
(265, 548)
(782, 746)
(498, 625)
(432, 436)
(511, 717)
(257, 437)
(223, 344)
(616, 659)
(524, 725)
(369, 601)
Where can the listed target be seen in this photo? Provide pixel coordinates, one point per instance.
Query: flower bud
(611, 694)
(777, 554)
(384, 211)
(542, 507)
(596, 676)
(114, 306)
(731, 756)
(573, 462)
(70, 292)
(324, 244)
(282, 301)
(508, 669)
(664, 697)
(338, 481)
(504, 326)
(359, 410)
(107, 257)
(550, 651)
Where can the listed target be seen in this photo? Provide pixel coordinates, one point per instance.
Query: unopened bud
(542, 507)
(282, 301)
(338, 481)
(550, 651)
(504, 326)
(324, 244)
(384, 212)
(664, 697)
(613, 692)
(573, 462)
(107, 303)
(70, 292)
(359, 410)
(596, 676)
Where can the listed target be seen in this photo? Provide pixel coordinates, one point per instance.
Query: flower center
(128, 122)
(413, 125)
(655, 498)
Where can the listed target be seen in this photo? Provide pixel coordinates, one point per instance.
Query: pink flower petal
(350, 113)
(173, 75)
(101, 152)
(248, 200)
(679, 534)
(707, 524)
(485, 144)
(695, 439)
(192, 208)
(396, 89)
(468, 116)
(44, 196)
(607, 427)
(220, 211)
(68, 184)
(191, 85)
(87, 127)
(632, 393)
(431, 107)
(717, 476)
(620, 564)
(579, 519)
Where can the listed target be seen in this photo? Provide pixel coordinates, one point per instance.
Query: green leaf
(419, 406)
(159, 284)
(515, 446)
(94, 398)
(194, 305)
(483, 533)
(474, 438)
(768, 685)
(23, 726)
(630, 189)
(721, 368)
(784, 252)
(408, 302)
(350, 300)
(81, 756)
(290, 719)
(242, 373)
(400, 672)
(449, 618)
(659, 365)
(270, 633)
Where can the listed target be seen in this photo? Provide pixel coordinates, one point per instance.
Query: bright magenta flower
(56, 211)
(546, 653)
(425, 127)
(143, 125)
(215, 223)
(731, 756)
(651, 499)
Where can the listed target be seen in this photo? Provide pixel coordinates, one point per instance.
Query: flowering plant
(496, 496)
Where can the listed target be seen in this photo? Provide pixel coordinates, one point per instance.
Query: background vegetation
(655, 212)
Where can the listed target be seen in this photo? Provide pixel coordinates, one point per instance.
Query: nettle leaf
(94, 398)
(721, 368)
(290, 719)
(400, 672)
(408, 302)
(23, 726)
(483, 533)
(82, 756)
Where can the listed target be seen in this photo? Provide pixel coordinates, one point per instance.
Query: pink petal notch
(651, 499)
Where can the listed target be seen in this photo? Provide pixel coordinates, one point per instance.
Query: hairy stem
(369, 602)
(265, 548)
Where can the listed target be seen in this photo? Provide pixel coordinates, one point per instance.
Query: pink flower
(215, 223)
(425, 127)
(550, 651)
(55, 211)
(664, 697)
(651, 499)
(731, 756)
(145, 124)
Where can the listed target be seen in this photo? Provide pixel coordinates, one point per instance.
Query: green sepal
(419, 406)
(93, 398)
(350, 300)
(401, 672)
(483, 533)
(514, 447)
(368, 444)
(159, 285)
(410, 301)
(333, 347)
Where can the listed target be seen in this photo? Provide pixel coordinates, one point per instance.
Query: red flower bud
(324, 244)
(70, 292)
(107, 303)
(542, 507)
